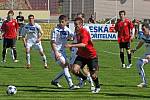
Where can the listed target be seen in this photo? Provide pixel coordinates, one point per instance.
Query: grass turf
(34, 83)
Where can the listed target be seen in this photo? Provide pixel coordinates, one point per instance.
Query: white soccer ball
(11, 90)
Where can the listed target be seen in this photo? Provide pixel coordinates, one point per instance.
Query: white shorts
(63, 57)
(37, 46)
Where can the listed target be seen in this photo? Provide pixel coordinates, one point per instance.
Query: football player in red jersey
(86, 54)
(9, 29)
(124, 27)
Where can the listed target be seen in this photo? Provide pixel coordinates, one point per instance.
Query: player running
(59, 38)
(86, 54)
(145, 59)
(32, 34)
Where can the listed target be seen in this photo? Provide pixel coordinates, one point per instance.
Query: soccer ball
(11, 90)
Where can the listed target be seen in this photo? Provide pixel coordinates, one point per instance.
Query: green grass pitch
(34, 83)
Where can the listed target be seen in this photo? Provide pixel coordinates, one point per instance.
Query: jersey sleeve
(53, 35)
(38, 29)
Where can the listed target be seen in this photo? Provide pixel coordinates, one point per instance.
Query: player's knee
(75, 69)
(94, 76)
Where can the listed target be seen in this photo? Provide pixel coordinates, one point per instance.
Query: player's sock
(89, 78)
(68, 77)
(81, 75)
(28, 58)
(14, 53)
(59, 76)
(129, 58)
(96, 81)
(4, 54)
(44, 59)
(122, 57)
(140, 65)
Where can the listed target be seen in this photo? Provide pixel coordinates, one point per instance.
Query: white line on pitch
(116, 54)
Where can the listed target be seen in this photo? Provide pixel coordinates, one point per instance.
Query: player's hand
(68, 45)
(38, 40)
(57, 56)
(133, 50)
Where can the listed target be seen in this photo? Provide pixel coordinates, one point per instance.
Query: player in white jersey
(32, 34)
(59, 38)
(145, 59)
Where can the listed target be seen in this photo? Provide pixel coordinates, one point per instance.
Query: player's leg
(87, 73)
(64, 64)
(140, 65)
(14, 51)
(28, 46)
(129, 54)
(93, 68)
(5, 43)
(41, 51)
(76, 68)
(57, 78)
(122, 56)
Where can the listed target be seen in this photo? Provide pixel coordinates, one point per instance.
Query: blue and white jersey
(31, 32)
(146, 41)
(60, 37)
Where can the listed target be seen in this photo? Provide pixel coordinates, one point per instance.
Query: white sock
(28, 58)
(68, 77)
(58, 76)
(140, 65)
(12, 54)
(44, 59)
(89, 78)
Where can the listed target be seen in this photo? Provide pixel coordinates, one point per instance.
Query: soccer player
(59, 38)
(9, 29)
(32, 34)
(85, 69)
(125, 30)
(86, 54)
(145, 59)
(20, 20)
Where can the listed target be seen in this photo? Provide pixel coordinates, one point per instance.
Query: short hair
(82, 14)
(63, 17)
(20, 12)
(122, 11)
(10, 12)
(146, 25)
(79, 19)
(30, 16)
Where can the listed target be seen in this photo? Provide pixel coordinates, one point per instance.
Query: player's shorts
(63, 57)
(37, 46)
(7, 43)
(91, 63)
(124, 45)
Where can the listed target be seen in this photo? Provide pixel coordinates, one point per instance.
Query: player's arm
(84, 42)
(54, 46)
(40, 35)
(23, 33)
(139, 45)
(132, 29)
